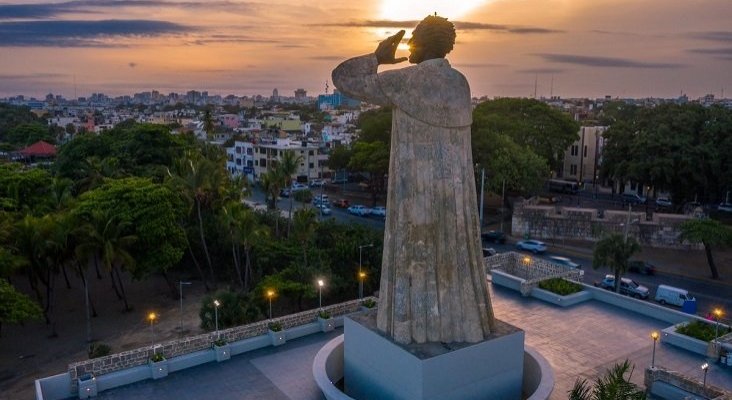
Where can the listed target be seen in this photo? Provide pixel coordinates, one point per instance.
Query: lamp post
(705, 368)
(152, 317)
(654, 336)
(717, 314)
(482, 185)
(270, 293)
(180, 293)
(360, 277)
(320, 293)
(216, 316)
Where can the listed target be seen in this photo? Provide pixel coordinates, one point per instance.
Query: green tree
(208, 124)
(287, 167)
(235, 309)
(710, 233)
(373, 158)
(613, 252)
(26, 134)
(15, 307)
(612, 386)
(339, 157)
(304, 228)
(375, 125)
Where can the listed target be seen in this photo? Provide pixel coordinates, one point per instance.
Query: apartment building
(583, 157)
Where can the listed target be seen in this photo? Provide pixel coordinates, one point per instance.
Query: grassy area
(560, 286)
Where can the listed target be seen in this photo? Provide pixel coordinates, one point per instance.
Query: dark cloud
(229, 39)
(132, 65)
(603, 62)
(715, 36)
(542, 71)
(49, 10)
(460, 25)
(722, 53)
(81, 33)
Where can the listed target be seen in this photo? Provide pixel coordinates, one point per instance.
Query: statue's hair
(436, 33)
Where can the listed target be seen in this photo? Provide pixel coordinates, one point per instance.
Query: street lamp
(320, 293)
(705, 368)
(717, 314)
(216, 316)
(654, 336)
(180, 293)
(360, 272)
(526, 260)
(270, 293)
(361, 277)
(152, 317)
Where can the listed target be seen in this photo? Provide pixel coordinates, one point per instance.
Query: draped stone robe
(433, 281)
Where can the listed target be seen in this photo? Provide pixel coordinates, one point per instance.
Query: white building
(240, 160)
(268, 153)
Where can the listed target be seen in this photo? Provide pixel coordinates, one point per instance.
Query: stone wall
(684, 383)
(132, 358)
(530, 268)
(556, 222)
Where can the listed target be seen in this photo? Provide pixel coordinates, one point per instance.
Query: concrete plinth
(377, 368)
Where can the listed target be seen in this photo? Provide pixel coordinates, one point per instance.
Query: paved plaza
(579, 341)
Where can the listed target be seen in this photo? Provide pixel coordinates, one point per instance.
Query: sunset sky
(588, 48)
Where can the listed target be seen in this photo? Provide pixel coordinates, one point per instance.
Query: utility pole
(503, 202)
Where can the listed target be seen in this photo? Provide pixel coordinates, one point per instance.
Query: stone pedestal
(375, 367)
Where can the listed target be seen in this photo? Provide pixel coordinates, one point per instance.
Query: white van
(321, 199)
(672, 295)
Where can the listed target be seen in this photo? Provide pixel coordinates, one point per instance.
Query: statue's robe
(433, 280)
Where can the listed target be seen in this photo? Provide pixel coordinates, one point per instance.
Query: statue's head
(434, 37)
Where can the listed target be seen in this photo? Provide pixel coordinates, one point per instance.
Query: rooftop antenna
(326, 87)
(536, 79)
(551, 88)
(75, 87)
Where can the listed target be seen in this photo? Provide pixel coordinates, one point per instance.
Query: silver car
(533, 246)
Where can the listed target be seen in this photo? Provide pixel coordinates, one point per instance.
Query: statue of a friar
(433, 282)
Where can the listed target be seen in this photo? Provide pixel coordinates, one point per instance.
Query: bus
(560, 186)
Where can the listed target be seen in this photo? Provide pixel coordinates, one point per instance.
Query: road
(709, 295)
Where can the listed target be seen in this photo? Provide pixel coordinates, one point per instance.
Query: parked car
(296, 187)
(628, 287)
(285, 193)
(672, 295)
(641, 267)
(359, 210)
(323, 209)
(342, 203)
(317, 183)
(726, 207)
(564, 261)
(494, 236)
(321, 199)
(379, 211)
(489, 251)
(632, 198)
(533, 246)
(664, 202)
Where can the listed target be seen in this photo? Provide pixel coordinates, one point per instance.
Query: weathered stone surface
(433, 286)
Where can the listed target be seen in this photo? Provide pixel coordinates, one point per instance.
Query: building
(583, 157)
(335, 100)
(312, 166)
(240, 160)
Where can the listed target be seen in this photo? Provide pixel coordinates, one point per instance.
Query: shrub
(323, 314)
(700, 330)
(560, 286)
(275, 326)
(368, 303)
(157, 357)
(303, 196)
(235, 309)
(219, 342)
(97, 350)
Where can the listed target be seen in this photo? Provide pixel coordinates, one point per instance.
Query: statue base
(375, 367)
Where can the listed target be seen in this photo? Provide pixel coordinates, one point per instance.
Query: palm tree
(305, 224)
(106, 238)
(243, 230)
(208, 124)
(287, 167)
(271, 184)
(613, 252)
(710, 233)
(612, 386)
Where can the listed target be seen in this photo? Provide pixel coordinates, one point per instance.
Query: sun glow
(400, 10)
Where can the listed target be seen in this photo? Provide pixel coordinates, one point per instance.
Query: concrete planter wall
(326, 324)
(277, 338)
(87, 387)
(159, 369)
(670, 336)
(559, 300)
(223, 352)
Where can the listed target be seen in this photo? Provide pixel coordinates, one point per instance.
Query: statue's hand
(387, 48)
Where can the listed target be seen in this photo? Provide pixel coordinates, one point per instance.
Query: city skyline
(568, 48)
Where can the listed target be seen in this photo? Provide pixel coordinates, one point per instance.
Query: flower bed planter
(669, 335)
(277, 337)
(223, 352)
(326, 324)
(87, 386)
(159, 369)
(562, 301)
